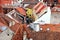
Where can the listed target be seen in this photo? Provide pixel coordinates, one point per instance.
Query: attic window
(8, 34)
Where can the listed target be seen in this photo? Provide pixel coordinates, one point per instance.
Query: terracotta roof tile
(18, 33)
(30, 0)
(1, 9)
(1, 24)
(6, 1)
(15, 27)
(5, 19)
(39, 7)
(21, 11)
(30, 6)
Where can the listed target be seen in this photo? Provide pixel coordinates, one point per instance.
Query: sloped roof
(21, 11)
(1, 24)
(56, 8)
(18, 32)
(4, 19)
(1, 9)
(59, 1)
(6, 1)
(30, 1)
(39, 7)
(30, 6)
(15, 27)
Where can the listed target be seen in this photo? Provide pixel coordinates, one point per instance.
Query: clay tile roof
(15, 27)
(1, 24)
(5, 19)
(30, 6)
(21, 11)
(1, 9)
(6, 1)
(30, 1)
(39, 7)
(59, 1)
